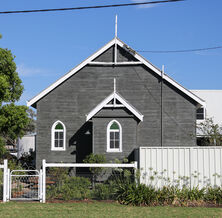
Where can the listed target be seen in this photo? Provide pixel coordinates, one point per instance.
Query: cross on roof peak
(116, 27)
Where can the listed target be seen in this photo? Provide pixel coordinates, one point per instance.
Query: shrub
(213, 195)
(28, 159)
(72, 188)
(166, 195)
(147, 195)
(136, 194)
(104, 191)
(96, 171)
(95, 158)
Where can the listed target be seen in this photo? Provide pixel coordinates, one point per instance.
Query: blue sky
(48, 45)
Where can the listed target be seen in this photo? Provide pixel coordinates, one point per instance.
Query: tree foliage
(212, 132)
(96, 171)
(14, 119)
(11, 86)
(31, 127)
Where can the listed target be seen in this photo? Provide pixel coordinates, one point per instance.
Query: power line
(89, 7)
(181, 51)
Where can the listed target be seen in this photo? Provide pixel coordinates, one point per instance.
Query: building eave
(109, 98)
(34, 100)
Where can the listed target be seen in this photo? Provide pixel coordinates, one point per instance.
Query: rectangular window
(200, 114)
(114, 139)
(59, 139)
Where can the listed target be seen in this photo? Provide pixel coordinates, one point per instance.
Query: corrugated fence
(190, 166)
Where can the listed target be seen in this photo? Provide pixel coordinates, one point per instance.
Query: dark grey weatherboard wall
(77, 96)
(129, 125)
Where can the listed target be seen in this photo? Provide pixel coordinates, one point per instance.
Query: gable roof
(115, 96)
(89, 60)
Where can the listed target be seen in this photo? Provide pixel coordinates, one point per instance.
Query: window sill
(113, 151)
(56, 149)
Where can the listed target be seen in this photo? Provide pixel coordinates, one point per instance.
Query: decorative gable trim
(140, 59)
(114, 96)
(70, 73)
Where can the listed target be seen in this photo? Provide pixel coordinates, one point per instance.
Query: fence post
(43, 181)
(8, 185)
(5, 180)
(135, 170)
(40, 185)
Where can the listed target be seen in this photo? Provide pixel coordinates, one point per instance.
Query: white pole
(135, 170)
(115, 52)
(40, 185)
(116, 27)
(43, 181)
(5, 181)
(114, 90)
(8, 185)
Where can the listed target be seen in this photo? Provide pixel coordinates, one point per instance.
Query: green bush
(166, 195)
(141, 194)
(213, 195)
(104, 191)
(122, 186)
(131, 193)
(72, 188)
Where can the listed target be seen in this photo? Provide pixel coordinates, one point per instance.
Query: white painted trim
(105, 165)
(5, 180)
(108, 149)
(116, 63)
(116, 105)
(70, 73)
(53, 148)
(166, 77)
(43, 181)
(99, 107)
(105, 102)
(100, 51)
(129, 107)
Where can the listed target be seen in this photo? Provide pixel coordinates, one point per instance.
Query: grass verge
(100, 209)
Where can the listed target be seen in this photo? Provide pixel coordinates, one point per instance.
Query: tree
(96, 171)
(11, 86)
(211, 132)
(14, 119)
(31, 128)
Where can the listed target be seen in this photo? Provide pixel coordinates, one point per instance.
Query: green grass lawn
(100, 209)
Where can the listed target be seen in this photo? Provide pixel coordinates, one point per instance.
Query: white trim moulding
(90, 59)
(105, 102)
(116, 63)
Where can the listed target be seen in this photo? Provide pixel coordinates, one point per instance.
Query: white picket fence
(190, 166)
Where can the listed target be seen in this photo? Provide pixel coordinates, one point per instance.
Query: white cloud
(26, 71)
(144, 6)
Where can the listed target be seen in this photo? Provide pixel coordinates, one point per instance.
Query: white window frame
(53, 130)
(108, 149)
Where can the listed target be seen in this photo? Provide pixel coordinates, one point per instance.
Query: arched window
(58, 136)
(114, 137)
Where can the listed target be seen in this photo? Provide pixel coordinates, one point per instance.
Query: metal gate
(25, 185)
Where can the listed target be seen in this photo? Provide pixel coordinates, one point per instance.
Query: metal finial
(116, 27)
